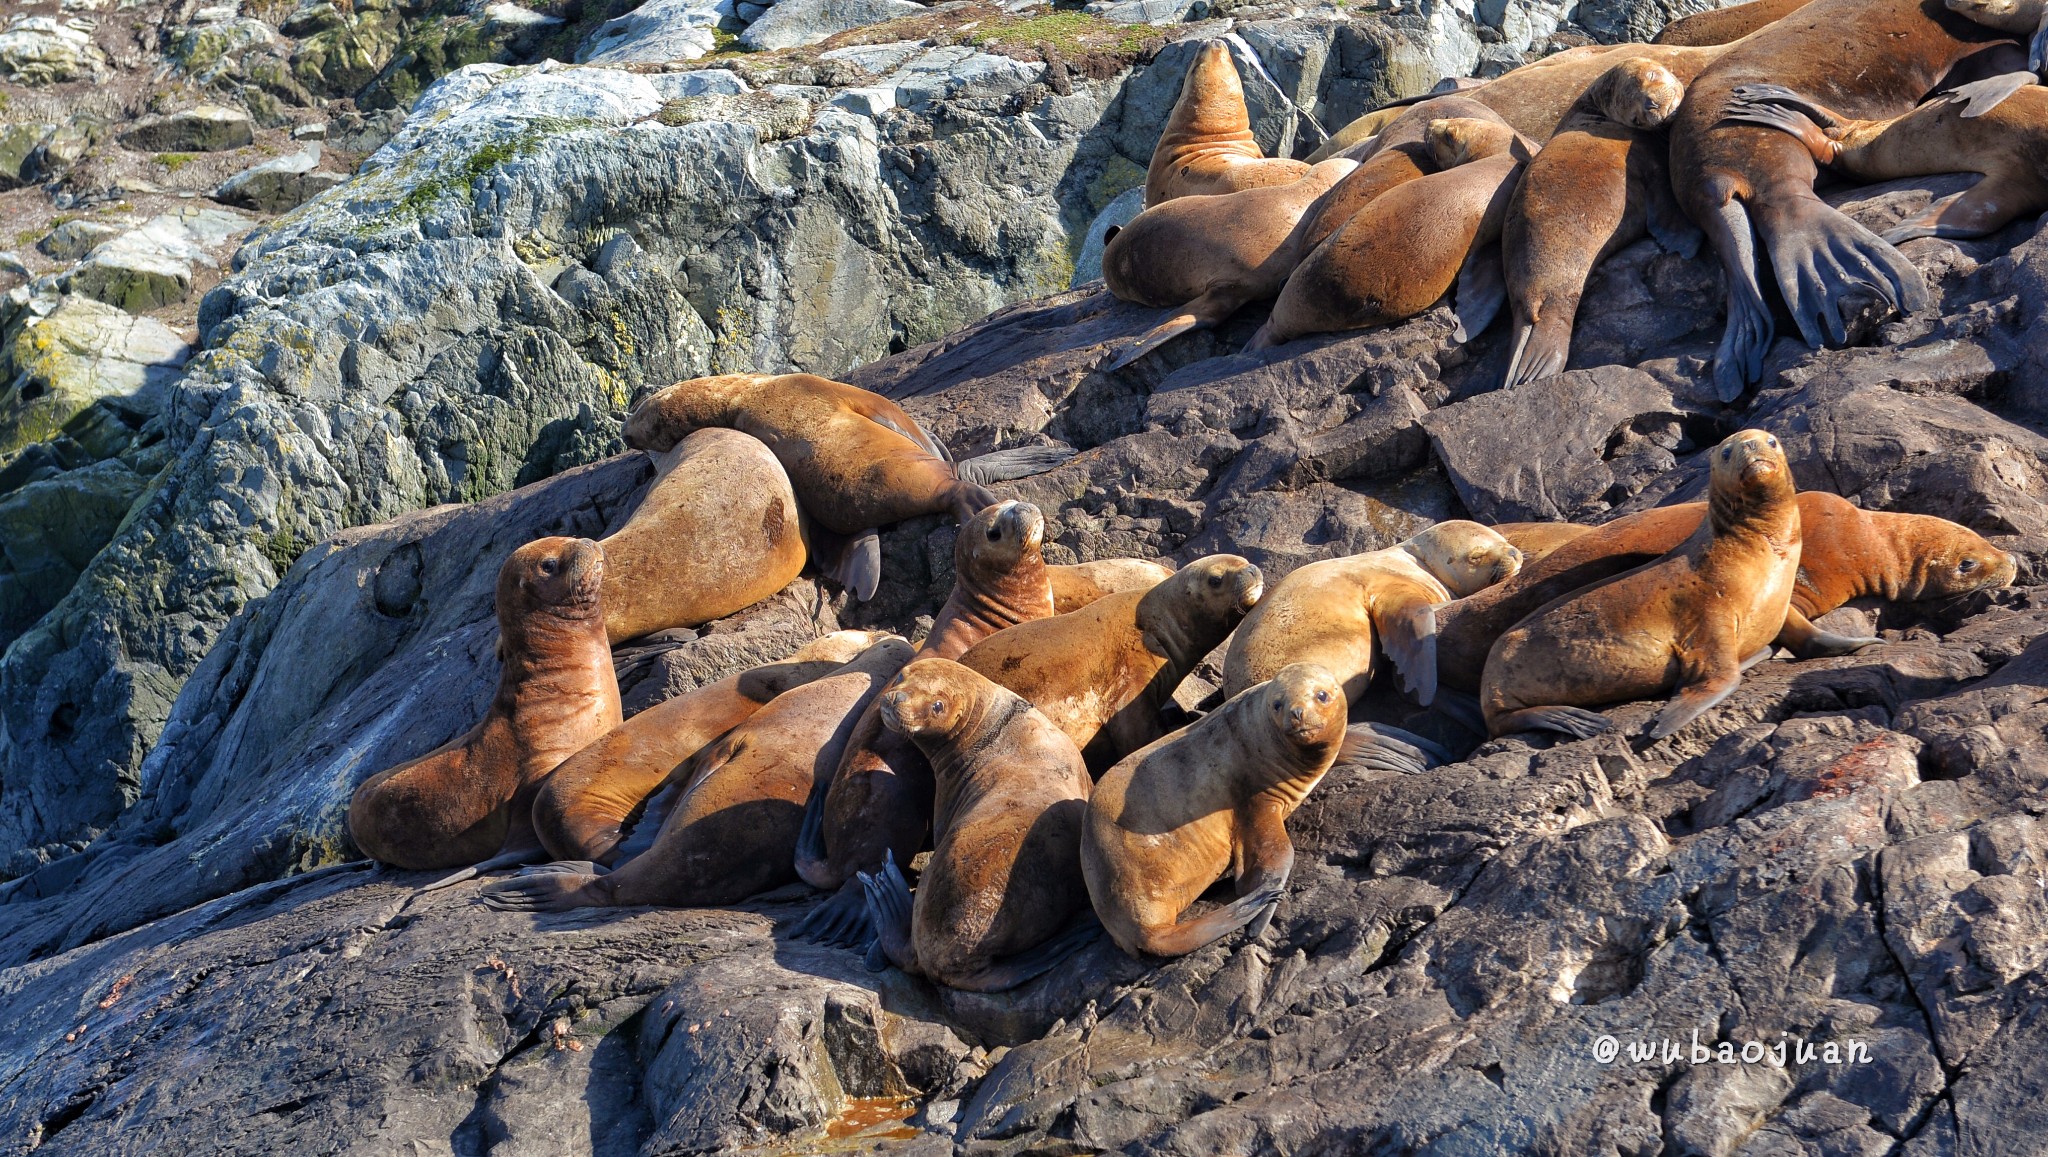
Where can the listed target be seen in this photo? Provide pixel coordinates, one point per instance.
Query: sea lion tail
(554, 888)
(1380, 747)
(1004, 465)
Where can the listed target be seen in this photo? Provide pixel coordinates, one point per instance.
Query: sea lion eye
(1727, 452)
(1966, 566)
(1322, 696)
(995, 534)
(550, 566)
(1215, 580)
(1772, 442)
(938, 707)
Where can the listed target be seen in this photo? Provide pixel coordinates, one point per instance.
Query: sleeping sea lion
(1005, 872)
(1171, 818)
(464, 801)
(1536, 540)
(1369, 124)
(1692, 621)
(1726, 25)
(731, 834)
(1207, 145)
(1075, 585)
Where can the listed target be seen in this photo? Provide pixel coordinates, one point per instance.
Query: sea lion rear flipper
(511, 859)
(1461, 709)
(1807, 641)
(852, 561)
(1408, 633)
(839, 922)
(1482, 290)
(1155, 337)
(1821, 255)
(1576, 722)
(1981, 96)
(1016, 462)
(555, 891)
(1010, 971)
(888, 903)
(1740, 358)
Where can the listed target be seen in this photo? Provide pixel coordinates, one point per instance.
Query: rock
(151, 266)
(513, 16)
(1148, 11)
(1088, 266)
(81, 352)
(675, 86)
(17, 143)
(316, 131)
(281, 184)
(50, 530)
(44, 50)
(346, 52)
(659, 30)
(205, 49)
(207, 128)
(794, 23)
(72, 239)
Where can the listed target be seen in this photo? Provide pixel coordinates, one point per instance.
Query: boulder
(17, 142)
(50, 529)
(46, 50)
(660, 30)
(1148, 11)
(81, 352)
(277, 185)
(205, 48)
(795, 23)
(72, 239)
(208, 128)
(151, 266)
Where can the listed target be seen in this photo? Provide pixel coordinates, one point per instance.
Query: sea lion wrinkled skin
(1537, 540)
(716, 533)
(1846, 554)
(1598, 185)
(463, 802)
(1331, 612)
(2007, 145)
(1207, 145)
(1205, 257)
(1403, 252)
(1075, 585)
(1750, 187)
(731, 834)
(1005, 871)
(1171, 818)
(1104, 673)
(1692, 621)
(1726, 25)
(581, 805)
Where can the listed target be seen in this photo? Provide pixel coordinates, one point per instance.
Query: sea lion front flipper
(1807, 641)
(887, 895)
(552, 891)
(1482, 290)
(1981, 96)
(1693, 700)
(1007, 465)
(1155, 337)
(915, 433)
(852, 561)
(1408, 632)
(1268, 859)
(1377, 747)
(1008, 972)
(1577, 722)
(839, 922)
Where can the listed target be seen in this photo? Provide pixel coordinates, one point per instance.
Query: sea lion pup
(1598, 185)
(1692, 621)
(1726, 25)
(1747, 185)
(1537, 540)
(715, 533)
(1170, 819)
(1207, 145)
(581, 805)
(878, 799)
(464, 801)
(1329, 613)
(731, 833)
(1075, 585)
(1405, 250)
(1369, 124)
(1103, 673)
(1005, 872)
(1205, 257)
(2007, 145)
(857, 461)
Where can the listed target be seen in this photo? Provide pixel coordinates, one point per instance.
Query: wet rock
(274, 186)
(207, 128)
(47, 50)
(794, 23)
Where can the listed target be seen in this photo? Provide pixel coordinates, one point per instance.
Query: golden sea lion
(464, 801)
(1692, 621)
(1330, 613)
(1171, 818)
(1207, 145)
(731, 834)
(716, 533)
(1075, 585)
(1005, 871)
(1726, 25)
(1536, 540)
(1368, 125)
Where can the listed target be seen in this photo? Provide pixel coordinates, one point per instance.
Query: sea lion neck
(1767, 506)
(1164, 632)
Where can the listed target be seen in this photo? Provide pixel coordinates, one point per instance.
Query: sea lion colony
(1030, 756)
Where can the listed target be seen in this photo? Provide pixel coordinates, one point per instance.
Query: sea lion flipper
(1576, 722)
(2037, 48)
(1981, 96)
(1693, 700)
(1821, 255)
(1460, 708)
(1153, 338)
(549, 892)
(1016, 462)
(1482, 290)
(887, 895)
(1010, 971)
(914, 432)
(840, 922)
(510, 859)
(1409, 635)
(1807, 641)
(1740, 358)
(1383, 748)
(853, 561)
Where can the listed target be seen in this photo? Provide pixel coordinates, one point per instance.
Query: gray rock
(1149, 11)
(51, 528)
(795, 23)
(17, 143)
(72, 239)
(206, 128)
(703, 82)
(281, 184)
(1088, 266)
(151, 266)
(659, 30)
(45, 50)
(82, 351)
(750, 12)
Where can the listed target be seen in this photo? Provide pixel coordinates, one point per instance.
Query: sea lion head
(1455, 141)
(994, 541)
(1305, 704)
(1949, 559)
(1465, 556)
(2004, 15)
(1641, 93)
(807, 664)
(561, 576)
(933, 697)
(1211, 96)
(1748, 473)
(1218, 586)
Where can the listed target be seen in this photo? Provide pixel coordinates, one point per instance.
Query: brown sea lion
(1077, 584)
(1213, 797)
(1103, 673)
(1726, 25)
(1207, 145)
(731, 834)
(2024, 19)
(1005, 872)
(1536, 98)
(1205, 257)
(1368, 125)
(857, 461)
(716, 533)
(1749, 186)
(1598, 185)
(2007, 145)
(878, 799)
(1692, 621)
(1331, 612)
(464, 801)
(1536, 540)
(1404, 251)
(582, 804)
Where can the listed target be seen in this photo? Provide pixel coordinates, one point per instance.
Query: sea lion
(1207, 145)
(2025, 19)
(716, 533)
(2007, 145)
(1747, 185)
(1536, 97)
(878, 799)
(1171, 818)
(1329, 613)
(1404, 251)
(1848, 553)
(1692, 621)
(464, 801)
(1103, 673)
(1537, 540)
(1005, 872)
(1726, 25)
(1075, 585)
(1598, 185)
(1369, 124)
(857, 461)
(581, 805)
(731, 833)
(1205, 257)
